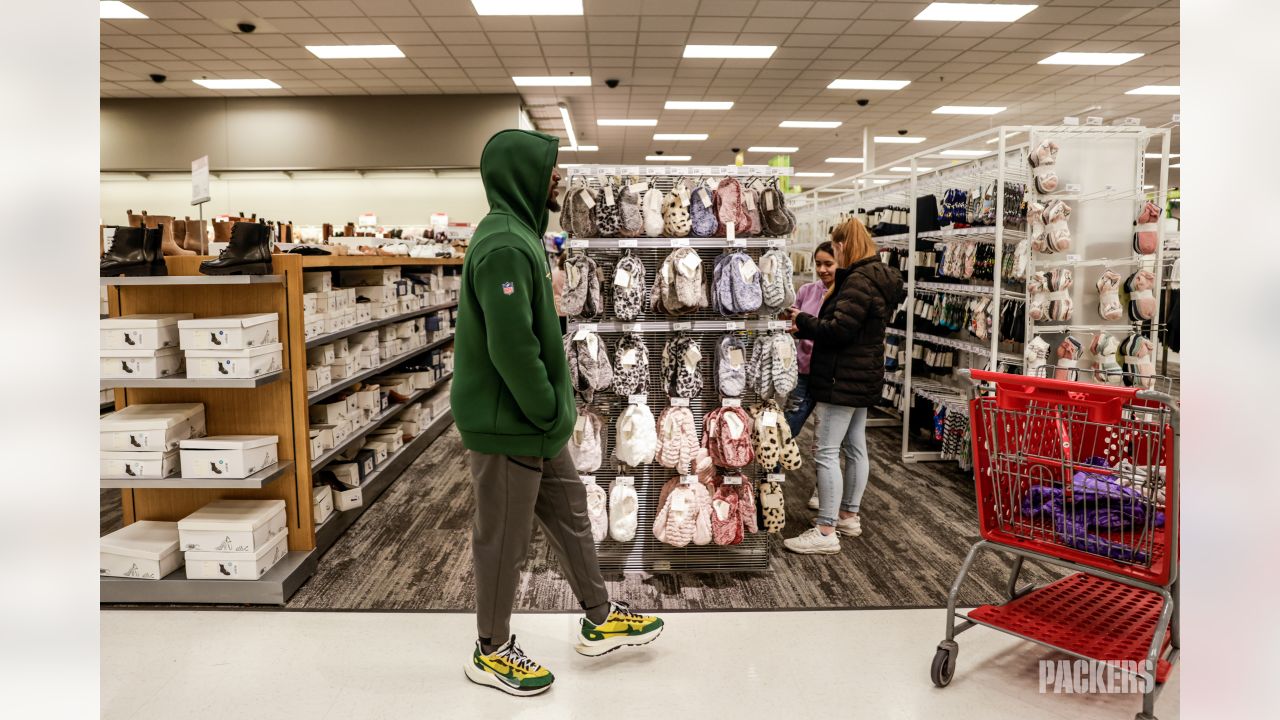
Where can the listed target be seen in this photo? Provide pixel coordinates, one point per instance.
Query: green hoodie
(511, 391)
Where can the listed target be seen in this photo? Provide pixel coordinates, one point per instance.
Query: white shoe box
(321, 354)
(364, 313)
(230, 332)
(349, 499)
(333, 322)
(410, 426)
(147, 550)
(318, 376)
(140, 363)
(321, 503)
(317, 447)
(393, 440)
(150, 464)
(369, 276)
(312, 328)
(358, 342)
(347, 473)
(237, 565)
(377, 294)
(228, 456)
(342, 348)
(343, 368)
(324, 433)
(379, 451)
(309, 303)
(247, 363)
(386, 333)
(140, 332)
(370, 359)
(317, 281)
(151, 427)
(330, 413)
(367, 397)
(232, 525)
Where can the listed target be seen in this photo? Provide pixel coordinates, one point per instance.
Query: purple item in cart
(1096, 503)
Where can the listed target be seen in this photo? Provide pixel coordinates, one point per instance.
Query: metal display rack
(645, 552)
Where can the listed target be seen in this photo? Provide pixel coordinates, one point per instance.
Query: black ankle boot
(248, 253)
(134, 252)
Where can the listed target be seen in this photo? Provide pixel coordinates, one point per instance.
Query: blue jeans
(841, 431)
(799, 405)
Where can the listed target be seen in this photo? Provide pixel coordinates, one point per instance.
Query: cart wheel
(1144, 716)
(944, 666)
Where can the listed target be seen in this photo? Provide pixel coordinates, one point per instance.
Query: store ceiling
(449, 49)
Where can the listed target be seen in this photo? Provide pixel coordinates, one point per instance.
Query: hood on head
(516, 167)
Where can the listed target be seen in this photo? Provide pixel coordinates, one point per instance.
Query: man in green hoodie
(513, 404)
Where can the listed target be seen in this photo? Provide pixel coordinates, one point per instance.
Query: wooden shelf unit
(277, 408)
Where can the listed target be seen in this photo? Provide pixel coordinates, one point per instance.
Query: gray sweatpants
(510, 491)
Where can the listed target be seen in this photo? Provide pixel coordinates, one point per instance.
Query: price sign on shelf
(588, 479)
(688, 479)
(637, 399)
(678, 402)
(679, 242)
(628, 243)
(630, 327)
(731, 402)
(678, 326)
(579, 243)
(779, 324)
(1073, 187)
(626, 480)
(775, 477)
(732, 479)
(735, 325)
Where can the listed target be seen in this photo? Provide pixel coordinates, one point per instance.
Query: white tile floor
(195, 665)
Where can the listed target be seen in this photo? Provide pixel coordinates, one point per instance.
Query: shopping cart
(1082, 477)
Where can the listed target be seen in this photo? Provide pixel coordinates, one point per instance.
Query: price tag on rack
(625, 480)
(731, 402)
(1073, 187)
(779, 324)
(588, 479)
(679, 242)
(628, 243)
(732, 479)
(688, 479)
(588, 327)
(775, 477)
(630, 327)
(637, 399)
(776, 242)
(1073, 258)
(579, 244)
(678, 326)
(678, 402)
(735, 325)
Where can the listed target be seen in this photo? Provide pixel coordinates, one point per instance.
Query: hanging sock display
(1109, 296)
(1146, 230)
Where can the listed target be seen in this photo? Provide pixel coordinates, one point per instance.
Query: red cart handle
(1062, 387)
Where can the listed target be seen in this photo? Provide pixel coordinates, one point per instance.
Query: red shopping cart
(1082, 477)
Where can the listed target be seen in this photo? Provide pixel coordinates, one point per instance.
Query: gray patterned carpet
(411, 550)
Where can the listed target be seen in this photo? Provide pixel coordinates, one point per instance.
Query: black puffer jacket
(847, 366)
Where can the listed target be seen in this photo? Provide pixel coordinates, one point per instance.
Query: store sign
(439, 220)
(367, 220)
(200, 180)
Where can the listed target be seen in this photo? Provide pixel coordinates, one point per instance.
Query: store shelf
(194, 280)
(669, 243)
(362, 327)
(365, 261)
(377, 483)
(899, 240)
(273, 588)
(182, 381)
(255, 481)
(377, 421)
(984, 234)
(334, 387)
(958, 289)
(661, 326)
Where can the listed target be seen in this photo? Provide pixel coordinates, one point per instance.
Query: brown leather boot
(196, 240)
(168, 244)
(137, 220)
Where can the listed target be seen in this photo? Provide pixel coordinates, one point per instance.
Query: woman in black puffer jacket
(846, 376)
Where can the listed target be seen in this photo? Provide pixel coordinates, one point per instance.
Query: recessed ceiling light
(698, 105)
(974, 12)
(903, 168)
(1089, 58)
(108, 10)
(663, 158)
(1157, 156)
(1156, 90)
(964, 153)
(810, 124)
(852, 84)
(899, 139)
(526, 7)
(626, 122)
(1006, 135)
(243, 84)
(814, 174)
(568, 125)
(845, 160)
(1148, 187)
(729, 51)
(579, 148)
(349, 52)
(680, 136)
(969, 109)
(551, 80)
(881, 182)
(772, 149)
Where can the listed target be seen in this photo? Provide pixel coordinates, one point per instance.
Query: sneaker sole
(604, 647)
(849, 533)
(480, 677)
(814, 551)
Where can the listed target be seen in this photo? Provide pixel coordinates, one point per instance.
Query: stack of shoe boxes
(232, 346)
(233, 539)
(326, 309)
(141, 441)
(140, 346)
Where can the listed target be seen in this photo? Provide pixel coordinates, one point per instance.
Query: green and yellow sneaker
(620, 629)
(508, 669)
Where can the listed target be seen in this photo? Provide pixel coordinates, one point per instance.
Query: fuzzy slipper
(597, 511)
(1068, 358)
(636, 436)
(1109, 296)
(1044, 160)
(730, 206)
(623, 503)
(678, 440)
(651, 211)
(1142, 303)
(702, 213)
(1146, 229)
(726, 519)
(773, 507)
(631, 218)
(628, 288)
(676, 222)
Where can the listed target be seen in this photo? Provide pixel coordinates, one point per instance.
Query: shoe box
(232, 526)
(228, 456)
(246, 363)
(132, 363)
(159, 427)
(146, 550)
(146, 464)
(248, 565)
(230, 332)
(140, 332)
(321, 503)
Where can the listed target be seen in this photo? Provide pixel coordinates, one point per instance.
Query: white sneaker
(850, 526)
(813, 501)
(813, 542)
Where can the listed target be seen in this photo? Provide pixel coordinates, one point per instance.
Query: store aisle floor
(212, 665)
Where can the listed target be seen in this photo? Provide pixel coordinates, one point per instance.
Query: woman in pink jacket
(809, 300)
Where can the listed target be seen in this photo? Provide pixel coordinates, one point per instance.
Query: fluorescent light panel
(810, 124)
(527, 7)
(969, 110)
(899, 140)
(854, 84)
(568, 125)
(1089, 58)
(664, 158)
(1156, 90)
(1007, 135)
(772, 149)
(680, 136)
(626, 122)
(350, 52)
(974, 12)
(698, 105)
(906, 168)
(118, 11)
(1157, 156)
(579, 148)
(729, 51)
(845, 160)
(964, 153)
(242, 84)
(814, 174)
(1176, 165)
(551, 80)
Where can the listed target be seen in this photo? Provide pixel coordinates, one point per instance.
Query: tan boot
(197, 241)
(180, 233)
(167, 245)
(136, 220)
(222, 231)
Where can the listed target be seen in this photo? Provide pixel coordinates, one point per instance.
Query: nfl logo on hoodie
(508, 288)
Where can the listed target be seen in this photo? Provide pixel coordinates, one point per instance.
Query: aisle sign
(200, 180)
(367, 220)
